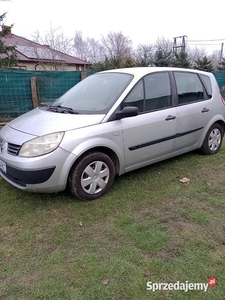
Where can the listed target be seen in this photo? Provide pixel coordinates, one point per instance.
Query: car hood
(40, 122)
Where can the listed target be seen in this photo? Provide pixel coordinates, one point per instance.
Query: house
(34, 56)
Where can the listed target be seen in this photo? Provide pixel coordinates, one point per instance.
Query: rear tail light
(222, 93)
(223, 99)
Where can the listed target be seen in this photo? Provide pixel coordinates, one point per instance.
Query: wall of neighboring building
(46, 67)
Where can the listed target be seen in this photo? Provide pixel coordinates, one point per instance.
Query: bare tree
(80, 46)
(117, 45)
(56, 46)
(144, 55)
(88, 49)
(215, 58)
(195, 53)
(163, 45)
(96, 51)
(163, 52)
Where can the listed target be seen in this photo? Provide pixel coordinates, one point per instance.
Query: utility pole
(182, 44)
(221, 53)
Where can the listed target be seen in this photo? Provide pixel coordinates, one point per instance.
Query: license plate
(3, 166)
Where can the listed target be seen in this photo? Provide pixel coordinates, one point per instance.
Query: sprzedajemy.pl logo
(181, 286)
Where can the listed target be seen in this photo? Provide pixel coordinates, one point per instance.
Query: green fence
(17, 95)
(220, 77)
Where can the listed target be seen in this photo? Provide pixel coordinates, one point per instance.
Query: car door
(193, 110)
(149, 136)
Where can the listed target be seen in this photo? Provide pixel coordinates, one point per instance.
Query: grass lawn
(149, 227)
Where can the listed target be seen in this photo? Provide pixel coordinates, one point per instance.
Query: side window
(189, 87)
(157, 91)
(136, 97)
(207, 83)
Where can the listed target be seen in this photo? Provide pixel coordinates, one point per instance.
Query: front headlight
(41, 145)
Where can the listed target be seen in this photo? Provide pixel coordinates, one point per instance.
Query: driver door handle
(205, 110)
(170, 118)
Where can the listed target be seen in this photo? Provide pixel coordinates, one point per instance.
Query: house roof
(29, 51)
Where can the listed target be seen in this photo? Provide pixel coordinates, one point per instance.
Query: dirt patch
(170, 252)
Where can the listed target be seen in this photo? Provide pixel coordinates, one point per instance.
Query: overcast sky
(143, 21)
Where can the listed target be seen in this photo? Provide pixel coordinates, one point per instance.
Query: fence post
(83, 74)
(33, 82)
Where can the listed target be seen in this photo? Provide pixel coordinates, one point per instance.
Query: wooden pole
(83, 75)
(33, 82)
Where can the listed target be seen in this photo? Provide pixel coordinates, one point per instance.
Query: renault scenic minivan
(111, 123)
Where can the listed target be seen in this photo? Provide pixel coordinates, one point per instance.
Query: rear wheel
(92, 176)
(213, 140)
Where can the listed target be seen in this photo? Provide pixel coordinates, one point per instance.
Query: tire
(213, 140)
(92, 176)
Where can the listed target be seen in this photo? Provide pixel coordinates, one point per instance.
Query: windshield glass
(96, 93)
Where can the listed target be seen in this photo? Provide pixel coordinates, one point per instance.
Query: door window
(157, 91)
(136, 97)
(151, 93)
(189, 87)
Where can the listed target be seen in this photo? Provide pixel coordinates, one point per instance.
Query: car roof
(141, 71)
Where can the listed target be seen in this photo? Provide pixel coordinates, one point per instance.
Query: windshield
(96, 93)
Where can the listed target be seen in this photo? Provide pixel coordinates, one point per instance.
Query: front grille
(13, 149)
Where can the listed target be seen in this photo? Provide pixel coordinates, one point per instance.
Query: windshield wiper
(62, 109)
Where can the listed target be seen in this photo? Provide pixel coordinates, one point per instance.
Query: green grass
(149, 227)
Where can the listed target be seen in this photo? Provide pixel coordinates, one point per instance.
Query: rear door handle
(205, 110)
(170, 118)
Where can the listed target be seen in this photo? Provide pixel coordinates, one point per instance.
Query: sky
(143, 21)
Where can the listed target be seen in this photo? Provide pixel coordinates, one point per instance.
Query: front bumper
(43, 174)
(22, 177)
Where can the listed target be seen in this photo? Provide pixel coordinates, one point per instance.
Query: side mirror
(128, 111)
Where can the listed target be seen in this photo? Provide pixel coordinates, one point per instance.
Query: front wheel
(92, 176)
(213, 140)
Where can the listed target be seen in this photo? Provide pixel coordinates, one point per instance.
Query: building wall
(46, 67)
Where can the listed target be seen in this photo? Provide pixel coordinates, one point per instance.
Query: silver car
(111, 123)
